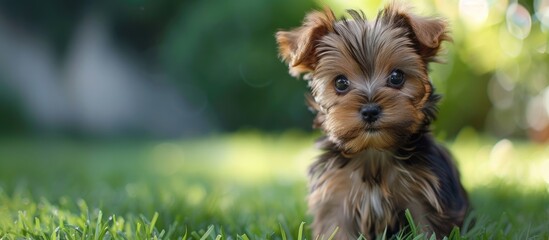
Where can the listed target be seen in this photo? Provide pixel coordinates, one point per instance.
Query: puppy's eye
(396, 79)
(341, 84)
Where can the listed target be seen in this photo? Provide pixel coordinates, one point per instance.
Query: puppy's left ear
(427, 33)
(297, 47)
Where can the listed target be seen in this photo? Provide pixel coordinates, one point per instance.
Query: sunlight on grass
(243, 184)
(254, 157)
(484, 162)
(246, 157)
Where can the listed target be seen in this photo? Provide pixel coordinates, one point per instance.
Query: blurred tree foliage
(227, 51)
(222, 55)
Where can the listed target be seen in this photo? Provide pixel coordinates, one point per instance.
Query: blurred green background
(172, 68)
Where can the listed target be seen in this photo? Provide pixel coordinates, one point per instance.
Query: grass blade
(185, 235)
(282, 232)
(384, 236)
(455, 233)
(98, 226)
(300, 233)
(413, 228)
(208, 232)
(334, 233)
(153, 222)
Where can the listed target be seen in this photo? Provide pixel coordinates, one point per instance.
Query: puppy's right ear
(298, 47)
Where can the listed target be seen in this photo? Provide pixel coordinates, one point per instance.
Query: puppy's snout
(370, 112)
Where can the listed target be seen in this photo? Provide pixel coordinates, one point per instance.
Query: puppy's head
(368, 79)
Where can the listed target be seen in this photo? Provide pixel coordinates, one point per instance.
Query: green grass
(240, 186)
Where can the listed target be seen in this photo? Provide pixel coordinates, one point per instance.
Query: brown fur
(372, 172)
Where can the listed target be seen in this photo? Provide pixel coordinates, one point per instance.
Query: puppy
(374, 102)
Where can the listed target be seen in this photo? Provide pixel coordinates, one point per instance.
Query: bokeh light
(518, 21)
(500, 91)
(510, 45)
(474, 12)
(538, 111)
(541, 8)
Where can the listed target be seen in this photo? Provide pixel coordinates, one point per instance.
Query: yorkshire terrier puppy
(374, 102)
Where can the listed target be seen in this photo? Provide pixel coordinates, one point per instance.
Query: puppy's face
(368, 79)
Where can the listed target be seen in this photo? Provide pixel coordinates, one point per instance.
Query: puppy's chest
(372, 189)
(374, 185)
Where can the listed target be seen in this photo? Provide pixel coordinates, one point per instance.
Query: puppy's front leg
(329, 217)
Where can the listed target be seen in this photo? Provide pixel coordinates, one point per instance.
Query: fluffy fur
(371, 172)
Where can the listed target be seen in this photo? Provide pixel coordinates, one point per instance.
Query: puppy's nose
(370, 112)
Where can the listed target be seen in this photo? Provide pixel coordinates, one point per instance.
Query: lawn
(245, 185)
